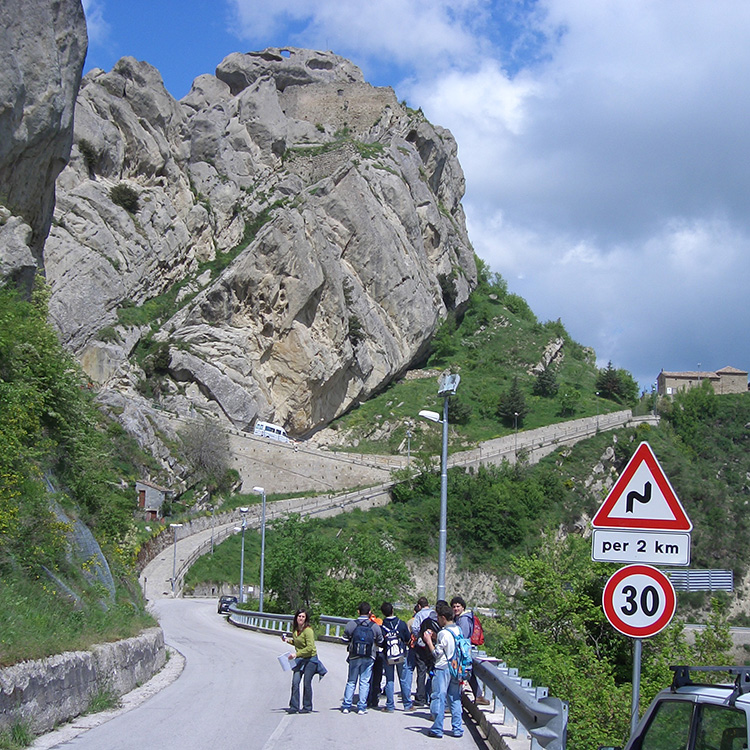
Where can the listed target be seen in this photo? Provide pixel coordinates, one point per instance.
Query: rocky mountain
(44, 47)
(279, 244)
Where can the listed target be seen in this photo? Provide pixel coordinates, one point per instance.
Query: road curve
(233, 692)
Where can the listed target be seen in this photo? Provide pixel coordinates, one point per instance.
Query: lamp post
(446, 388)
(515, 427)
(174, 527)
(243, 511)
(408, 447)
(262, 491)
(597, 411)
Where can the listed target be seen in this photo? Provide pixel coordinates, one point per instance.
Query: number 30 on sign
(639, 601)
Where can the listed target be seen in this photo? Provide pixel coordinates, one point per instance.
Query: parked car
(225, 602)
(695, 715)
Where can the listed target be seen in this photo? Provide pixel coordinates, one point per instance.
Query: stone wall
(46, 692)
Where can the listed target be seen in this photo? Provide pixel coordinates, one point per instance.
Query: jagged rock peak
(297, 233)
(288, 66)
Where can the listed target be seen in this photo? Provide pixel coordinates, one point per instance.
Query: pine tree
(512, 406)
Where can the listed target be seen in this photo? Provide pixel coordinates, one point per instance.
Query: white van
(273, 431)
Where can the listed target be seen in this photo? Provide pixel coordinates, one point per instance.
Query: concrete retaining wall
(46, 692)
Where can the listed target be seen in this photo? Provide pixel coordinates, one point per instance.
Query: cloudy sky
(606, 143)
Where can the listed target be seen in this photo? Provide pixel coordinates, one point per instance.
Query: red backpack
(477, 634)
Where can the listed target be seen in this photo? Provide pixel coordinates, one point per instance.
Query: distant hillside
(493, 342)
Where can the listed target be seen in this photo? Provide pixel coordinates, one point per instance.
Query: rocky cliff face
(43, 49)
(298, 237)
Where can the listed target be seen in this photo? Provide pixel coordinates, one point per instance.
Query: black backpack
(363, 639)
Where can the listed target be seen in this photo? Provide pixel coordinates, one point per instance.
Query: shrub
(125, 196)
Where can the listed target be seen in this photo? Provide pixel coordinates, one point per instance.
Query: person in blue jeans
(362, 653)
(392, 624)
(444, 686)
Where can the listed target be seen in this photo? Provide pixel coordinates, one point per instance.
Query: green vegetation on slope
(493, 344)
(52, 433)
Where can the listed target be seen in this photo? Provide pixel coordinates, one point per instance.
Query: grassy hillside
(495, 341)
(57, 452)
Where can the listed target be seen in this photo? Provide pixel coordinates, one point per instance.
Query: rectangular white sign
(628, 546)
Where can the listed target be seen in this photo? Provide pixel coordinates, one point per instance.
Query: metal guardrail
(525, 711)
(701, 580)
(269, 622)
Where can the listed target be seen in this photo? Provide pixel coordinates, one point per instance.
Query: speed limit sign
(639, 601)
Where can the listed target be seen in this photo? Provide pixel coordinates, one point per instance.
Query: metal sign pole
(634, 711)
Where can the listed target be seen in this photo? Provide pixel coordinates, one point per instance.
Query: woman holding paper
(306, 660)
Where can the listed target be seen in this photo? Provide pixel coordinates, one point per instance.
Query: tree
(546, 383)
(206, 449)
(617, 385)
(569, 399)
(512, 405)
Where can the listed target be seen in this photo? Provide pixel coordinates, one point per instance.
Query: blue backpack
(363, 639)
(460, 665)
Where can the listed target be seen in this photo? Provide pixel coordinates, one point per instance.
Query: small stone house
(151, 497)
(726, 380)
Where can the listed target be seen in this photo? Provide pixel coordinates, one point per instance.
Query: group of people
(391, 648)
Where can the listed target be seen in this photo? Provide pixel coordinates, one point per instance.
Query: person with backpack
(396, 637)
(472, 629)
(422, 656)
(452, 654)
(363, 636)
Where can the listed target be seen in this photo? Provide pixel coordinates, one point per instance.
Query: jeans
(407, 677)
(360, 669)
(307, 669)
(391, 670)
(444, 688)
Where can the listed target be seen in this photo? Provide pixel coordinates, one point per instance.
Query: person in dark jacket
(360, 666)
(393, 624)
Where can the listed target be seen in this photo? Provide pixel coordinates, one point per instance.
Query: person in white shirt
(444, 687)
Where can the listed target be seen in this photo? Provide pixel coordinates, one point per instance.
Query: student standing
(363, 637)
(444, 686)
(306, 664)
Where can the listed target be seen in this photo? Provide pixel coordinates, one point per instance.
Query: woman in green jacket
(306, 661)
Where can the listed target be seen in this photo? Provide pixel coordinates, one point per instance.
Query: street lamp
(597, 410)
(262, 491)
(447, 387)
(515, 427)
(243, 511)
(174, 527)
(408, 446)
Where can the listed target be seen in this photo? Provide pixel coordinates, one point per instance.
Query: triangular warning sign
(642, 498)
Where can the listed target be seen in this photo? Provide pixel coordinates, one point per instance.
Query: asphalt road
(233, 692)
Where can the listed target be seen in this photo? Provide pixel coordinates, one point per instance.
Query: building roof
(690, 375)
(730, 371)
(152, 485)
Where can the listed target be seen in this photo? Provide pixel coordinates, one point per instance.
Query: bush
(125, 196)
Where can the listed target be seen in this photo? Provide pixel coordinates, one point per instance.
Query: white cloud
(604, 146)
(97, 27)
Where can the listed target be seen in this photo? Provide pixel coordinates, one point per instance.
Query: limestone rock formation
(279, 244)
(44, 47)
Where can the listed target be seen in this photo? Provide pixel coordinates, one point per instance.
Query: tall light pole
(408, 447)
(262, 491)
(597, 410)
(446, 388)
(515, 427)
(243, 511)
(174, 527)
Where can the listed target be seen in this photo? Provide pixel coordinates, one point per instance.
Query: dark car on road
(225, 602)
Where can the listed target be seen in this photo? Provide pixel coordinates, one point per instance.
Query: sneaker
(436, 736)
(458, 734)
(409, 707)
(362, 711)
(481, 701)
(344, 710)
(389, 710)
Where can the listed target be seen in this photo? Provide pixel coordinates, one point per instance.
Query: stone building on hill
(726, 380)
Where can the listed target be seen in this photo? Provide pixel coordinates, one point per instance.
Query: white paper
(286, 662)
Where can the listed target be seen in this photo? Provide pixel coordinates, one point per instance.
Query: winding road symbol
(632, 496)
